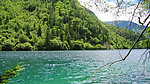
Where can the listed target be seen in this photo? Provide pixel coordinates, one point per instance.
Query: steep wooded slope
(55, 25)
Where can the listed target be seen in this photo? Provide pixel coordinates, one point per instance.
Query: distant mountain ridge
(123, 24)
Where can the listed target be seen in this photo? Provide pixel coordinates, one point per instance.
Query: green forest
(58, 25)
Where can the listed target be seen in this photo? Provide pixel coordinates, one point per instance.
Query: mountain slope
(123, 24)
(55, 25)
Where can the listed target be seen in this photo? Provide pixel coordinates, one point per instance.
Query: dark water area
(75, 67)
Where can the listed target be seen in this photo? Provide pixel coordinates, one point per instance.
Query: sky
(132, 1)
(110, 16)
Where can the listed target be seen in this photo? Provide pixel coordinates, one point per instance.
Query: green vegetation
(56, 25)
(146, 4)
(149, 30)
(11, 73)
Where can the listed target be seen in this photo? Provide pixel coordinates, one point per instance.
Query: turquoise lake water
(75, 67)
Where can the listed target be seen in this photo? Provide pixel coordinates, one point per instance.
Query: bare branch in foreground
(111, 63)
(132, 17)
(122, 59)
(136, 40)
(144, 20)
(128, 24)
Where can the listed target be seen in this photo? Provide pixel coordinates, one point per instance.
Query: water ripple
(75, 67)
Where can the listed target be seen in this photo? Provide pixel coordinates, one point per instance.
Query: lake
(75, 67)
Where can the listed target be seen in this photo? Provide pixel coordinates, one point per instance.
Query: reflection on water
(75, 67)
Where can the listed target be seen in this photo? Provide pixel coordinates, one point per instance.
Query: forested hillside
(56, 25)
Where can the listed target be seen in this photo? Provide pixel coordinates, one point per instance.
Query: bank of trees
(56, 25)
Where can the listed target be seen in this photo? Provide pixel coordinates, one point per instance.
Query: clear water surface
(75, 67)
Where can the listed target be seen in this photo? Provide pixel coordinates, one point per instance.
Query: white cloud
(111, 15)
(128, 0)
(112, 3)
(105, 16)
(84, 0)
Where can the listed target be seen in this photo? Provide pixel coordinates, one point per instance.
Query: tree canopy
(57, 25)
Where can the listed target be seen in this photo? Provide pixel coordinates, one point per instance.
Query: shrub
(23, 38)
(2, 39)
(0, 47)
(27, 46)
(95, 40)
(7, 45)
(88, 46)
(56, 44)
(23, 46)
(19, 47)
(40, 44)
(77, 45)
(65, 45)
(98, 46)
